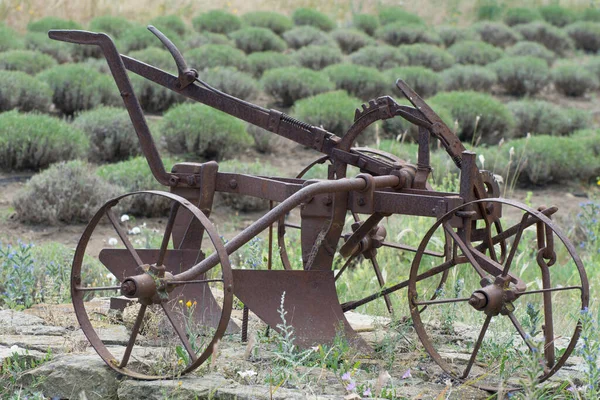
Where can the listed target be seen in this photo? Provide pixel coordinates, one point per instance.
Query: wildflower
(188, 304)
(351, 386)
(482, 161)
(124, 218)
(247, 374)
(511, 152)
(346, 376)
(180, 383)
(112, 242)
(367, 392)
(180, 301)
(315, 348)
(135, 231)
(407, 374)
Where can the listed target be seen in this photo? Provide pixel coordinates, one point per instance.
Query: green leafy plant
(490, 10)
(380, 57)
(216, 55)
(522, 75)
(496, 33)
(38, 41)
(388, 15)
(171, 23)
(114, 26)
(28, 61)
(317, 57)
(312, 17)
(572, 80)
(216, 21)
(423, 80)
(9, 39)
(196, 40)
(276, 22)
(32, 141)
(428, 56)
(307, 35)
(64, 193)
(195, 130)
(399, 33)
(350, 40)
(45, 24)
(586, 35)
(453, 34)
(537, 116)
(521, 15)
(557, 15)
(289, 84)
(231, 81)
(365, 22)
(532, 49)
(139, 37)
(553, 38)
(474, 52)
(266, 60)
(362, 82)
(21, 91)
(468, 77)
(252, 39)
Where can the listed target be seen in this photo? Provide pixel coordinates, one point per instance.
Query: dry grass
(17, 13)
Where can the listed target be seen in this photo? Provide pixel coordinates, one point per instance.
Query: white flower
(112, 242)
(511, 152)
(135, 231)
(499, 178)
(482, 161)
(111, 277)
(14, 349)
(247, 374)
(124, 218)
(315, 348)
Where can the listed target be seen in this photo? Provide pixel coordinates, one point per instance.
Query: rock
(110, 335)
(43, 343)
(68, 376)
(29, 355)
(365, 323)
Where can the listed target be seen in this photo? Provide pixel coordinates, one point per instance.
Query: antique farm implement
(518, 283)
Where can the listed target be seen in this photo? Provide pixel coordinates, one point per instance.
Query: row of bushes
(46, 199)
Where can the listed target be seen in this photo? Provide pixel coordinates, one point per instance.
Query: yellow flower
(180, 383)
(188, 304)
(195, 302)
(598, 183)
(179, 362)
(180, 301)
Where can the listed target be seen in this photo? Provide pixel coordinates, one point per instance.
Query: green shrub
(394, 127)
(362, 82)
(522, 75)
(133, 175)
(365, 22)
(60, 51)
(351, 40)
(593, 65)
(557, 15)
(521, 15)
(380, 57)
(171, 23)
(33, 141)
(572, 80)
(139, 38)
(317, 57)
(428, 56)
(424, 81)
(23, 92)
(477, 114)
(252, 39)
(9, 39)
(156, 57)
(231, 81)
(537, 116)
(216, 55)
(475, 52)
(468, 77)
(289, 84)
(110, 133)
(496, 33)
(399, 33)
(452, 34)
(64, 193)
(45, 24)
(217, 21)
(200, 39)
(276, 22)
(388, 15)
(533, 49)
(113, 26)
(77, 87)
(306, 36)
(246, 203)
(263, 61)
(264, 140)
(553, 38)
(489, 10)
(590, 14)
(195, 130)
(334, 111)
(586, 35)
(309, 16)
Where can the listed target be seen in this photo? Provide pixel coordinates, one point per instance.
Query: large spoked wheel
(498, 319)
(174, 325)
(373, 256)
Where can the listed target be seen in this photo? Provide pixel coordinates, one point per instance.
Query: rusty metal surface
(385, 186)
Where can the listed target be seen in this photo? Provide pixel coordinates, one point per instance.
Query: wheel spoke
(115, 223)
(412, 249)
(167, 234)
(96, 289)
(194, 281)
(477, 346)
(180, 332)
(556, 289)
(134, 332)
(386, 297)
(515, 245)
(520, 329)
(346, 265)
(465, 250)
(441, 301)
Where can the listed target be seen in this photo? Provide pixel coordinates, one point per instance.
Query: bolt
(478, 301)
(361, 201)
(128, 288)
(233, 184)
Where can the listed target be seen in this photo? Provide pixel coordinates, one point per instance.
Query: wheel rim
(553, 291)
(194, 341)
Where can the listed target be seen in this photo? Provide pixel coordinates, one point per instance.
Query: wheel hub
(494, 298)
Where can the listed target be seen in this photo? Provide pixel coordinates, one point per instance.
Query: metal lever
(186, 75)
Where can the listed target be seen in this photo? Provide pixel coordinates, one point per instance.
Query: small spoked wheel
(170, 326)
(499, 319)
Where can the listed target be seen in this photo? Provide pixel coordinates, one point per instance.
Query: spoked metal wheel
(174, 325)
(373, 248)
(497, 319)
